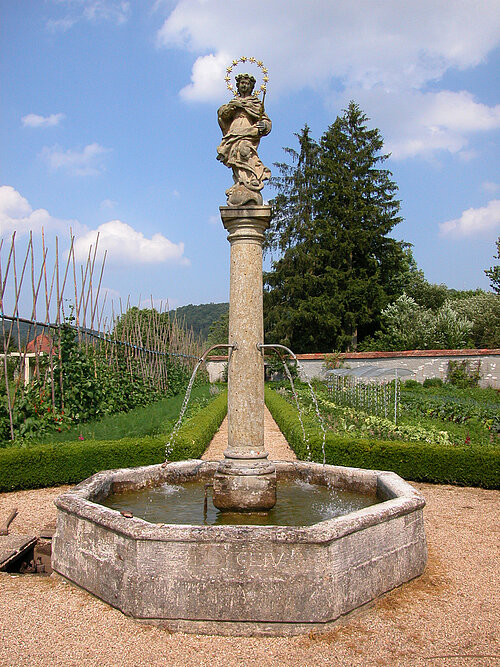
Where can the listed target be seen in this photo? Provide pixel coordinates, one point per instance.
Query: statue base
(245, 485)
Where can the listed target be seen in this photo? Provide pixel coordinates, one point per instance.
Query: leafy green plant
(275, 367)
(153, 419)
(354, 422)
(429, 382)
(333, 360)
(462, 374)
(449, 404)
(433, 414)
(85, 387)
(413, 384)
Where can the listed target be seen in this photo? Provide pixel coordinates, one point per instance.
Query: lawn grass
(151, 420)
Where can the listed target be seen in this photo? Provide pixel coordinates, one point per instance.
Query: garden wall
(424, 363)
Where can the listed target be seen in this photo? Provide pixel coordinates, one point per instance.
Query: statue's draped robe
(238, 148)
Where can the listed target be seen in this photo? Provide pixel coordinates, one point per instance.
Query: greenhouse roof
(371, 371)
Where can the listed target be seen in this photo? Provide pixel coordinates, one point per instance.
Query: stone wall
(424, 363)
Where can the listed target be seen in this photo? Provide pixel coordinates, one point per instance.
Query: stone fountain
(233, 579)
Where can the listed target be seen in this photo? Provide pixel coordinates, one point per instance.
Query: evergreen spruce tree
(293, 206)
(332, 215)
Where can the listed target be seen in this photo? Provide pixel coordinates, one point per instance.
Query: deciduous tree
(493, 272)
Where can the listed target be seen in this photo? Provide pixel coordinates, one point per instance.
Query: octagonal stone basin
(240, 580)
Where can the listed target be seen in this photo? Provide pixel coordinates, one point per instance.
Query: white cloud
(106, 10)
(414, 123)
(474, 222)
(387, 52)
(17, 215)
(107, 204)
(363, 43)
(126, 245)
(34, 120)
(207, 78)
(80, 163)
(109, 293)
(94, 11)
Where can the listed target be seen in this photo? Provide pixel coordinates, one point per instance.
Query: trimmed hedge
(418, 461)
(70, 463)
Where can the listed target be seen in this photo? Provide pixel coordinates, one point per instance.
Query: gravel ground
(449, 616)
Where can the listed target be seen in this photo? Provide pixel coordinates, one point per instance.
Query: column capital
(246, 223)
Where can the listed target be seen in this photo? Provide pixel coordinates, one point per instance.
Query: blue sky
(109, 123)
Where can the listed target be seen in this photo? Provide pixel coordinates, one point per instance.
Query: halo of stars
(245, 59)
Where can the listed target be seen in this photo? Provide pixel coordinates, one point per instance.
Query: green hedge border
(417, 461)
(70, 463)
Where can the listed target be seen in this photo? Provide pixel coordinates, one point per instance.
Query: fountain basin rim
(398, 498)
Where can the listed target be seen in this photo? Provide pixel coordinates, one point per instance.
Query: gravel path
(449, 616)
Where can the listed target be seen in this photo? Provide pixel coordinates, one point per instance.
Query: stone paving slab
(274, 441)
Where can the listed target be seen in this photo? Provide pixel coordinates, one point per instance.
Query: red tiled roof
(41, 343)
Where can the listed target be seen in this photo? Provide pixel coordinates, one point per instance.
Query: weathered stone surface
(255, 493)
(240, 579)
(246, 228)
(245, 481)
(243, 122)
(424, 363)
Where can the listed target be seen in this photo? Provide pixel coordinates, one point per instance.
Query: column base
(245, 485)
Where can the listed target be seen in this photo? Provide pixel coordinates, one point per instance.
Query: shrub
(412, 384)
(483, 309)
(406, 325)
(432, 382)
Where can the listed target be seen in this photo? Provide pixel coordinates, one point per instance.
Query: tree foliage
(334, 209)
(406, 325)
(199, 318)
(219, 330)
(493, 272)
(483, 309)
(411, 281)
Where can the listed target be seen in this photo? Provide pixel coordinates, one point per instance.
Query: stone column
(245, 480)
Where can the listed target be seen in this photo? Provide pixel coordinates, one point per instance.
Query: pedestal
(245, 479)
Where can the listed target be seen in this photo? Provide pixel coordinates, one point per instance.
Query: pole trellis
(42, 296)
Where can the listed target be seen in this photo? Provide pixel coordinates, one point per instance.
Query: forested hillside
(199, 317)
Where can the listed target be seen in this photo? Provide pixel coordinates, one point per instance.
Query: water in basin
(299, 504)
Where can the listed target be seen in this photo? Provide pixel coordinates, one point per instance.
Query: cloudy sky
(109, 124)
